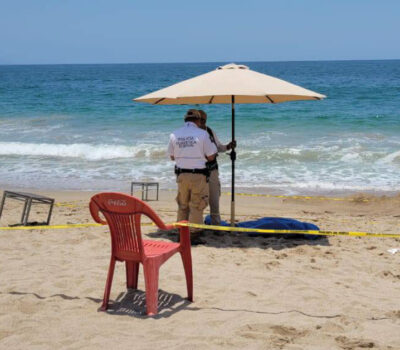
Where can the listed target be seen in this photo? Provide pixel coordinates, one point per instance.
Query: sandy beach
(250, 292)
(299, 108)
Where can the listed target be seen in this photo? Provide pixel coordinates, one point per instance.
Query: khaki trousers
(215, 193)
(192, 197)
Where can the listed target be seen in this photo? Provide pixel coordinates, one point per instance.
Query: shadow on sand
(130, 303)
(133, 303)
(225, 239)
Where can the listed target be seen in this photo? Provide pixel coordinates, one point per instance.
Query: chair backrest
(123, 216)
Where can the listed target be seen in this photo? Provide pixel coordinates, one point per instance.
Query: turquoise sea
(76, 127)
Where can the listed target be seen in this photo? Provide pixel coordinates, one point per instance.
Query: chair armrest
(94, 210)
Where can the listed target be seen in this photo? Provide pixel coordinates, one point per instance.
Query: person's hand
(231, 145)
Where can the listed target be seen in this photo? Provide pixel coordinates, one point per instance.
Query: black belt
(204, 171)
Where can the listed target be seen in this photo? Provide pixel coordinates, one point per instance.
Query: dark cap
(193, 114)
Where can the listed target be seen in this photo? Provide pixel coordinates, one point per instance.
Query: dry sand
(250, 292)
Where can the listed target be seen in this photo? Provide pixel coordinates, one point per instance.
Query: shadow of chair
(133, 303)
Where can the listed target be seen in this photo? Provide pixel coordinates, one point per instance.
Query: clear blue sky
(125, 31)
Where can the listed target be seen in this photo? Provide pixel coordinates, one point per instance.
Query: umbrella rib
(269, 98)
(158, 101)
(211, 99)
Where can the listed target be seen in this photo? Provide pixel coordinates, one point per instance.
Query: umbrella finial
(233, 66)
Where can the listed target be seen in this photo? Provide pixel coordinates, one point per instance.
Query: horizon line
(205, 62)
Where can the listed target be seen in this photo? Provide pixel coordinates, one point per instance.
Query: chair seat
(155, 248)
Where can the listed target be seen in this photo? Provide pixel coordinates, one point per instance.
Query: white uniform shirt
(190, 145)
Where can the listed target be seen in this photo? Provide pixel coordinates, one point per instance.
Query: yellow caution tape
(299, 197)
(41, 227)
(300, 232)
(70, 204)
(49, 227)
(222, 228)
(295, 197)
(65, 205)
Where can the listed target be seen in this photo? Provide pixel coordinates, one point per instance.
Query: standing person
(190, 147)
(214, 183)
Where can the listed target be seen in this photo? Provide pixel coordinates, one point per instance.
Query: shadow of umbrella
(242, 240)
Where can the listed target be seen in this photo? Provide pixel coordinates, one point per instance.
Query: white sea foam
(317, 166)
(82, 150)
(390, 158)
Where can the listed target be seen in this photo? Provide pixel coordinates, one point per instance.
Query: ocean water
(76, 127)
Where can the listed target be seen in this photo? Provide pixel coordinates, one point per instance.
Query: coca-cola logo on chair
(117, 202)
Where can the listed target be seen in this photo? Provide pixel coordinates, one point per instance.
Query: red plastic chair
(123, 214)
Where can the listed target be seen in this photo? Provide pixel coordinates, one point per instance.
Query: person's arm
(220, 146)
(170, 150)
(212, 157)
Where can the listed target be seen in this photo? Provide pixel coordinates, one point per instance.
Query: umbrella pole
(233, 158)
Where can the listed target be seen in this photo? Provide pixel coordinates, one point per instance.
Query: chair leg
(107, 290)
(187, 265)
(132, 274)
(151, 272)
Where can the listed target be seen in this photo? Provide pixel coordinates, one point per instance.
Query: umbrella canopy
(220, 85)
(232, 84)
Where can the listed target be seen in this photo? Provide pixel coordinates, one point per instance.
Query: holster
(212, 165)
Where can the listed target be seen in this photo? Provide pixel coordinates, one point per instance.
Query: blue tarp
(273, 224)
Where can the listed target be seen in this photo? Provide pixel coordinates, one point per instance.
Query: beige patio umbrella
(231, 84)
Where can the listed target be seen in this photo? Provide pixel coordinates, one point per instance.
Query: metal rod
(233, 158)
(50, 211)
(28, 209)
(23, 222)
(2, 202)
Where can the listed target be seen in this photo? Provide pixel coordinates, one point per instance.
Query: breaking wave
(82, 150)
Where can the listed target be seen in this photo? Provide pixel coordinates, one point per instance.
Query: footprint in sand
(330, 327)
(288, 331)
(281, 335)
(271, 264)
(285, 335)
(255, 331)
(281, 256)
(350, 344)
(393, 314)
(389, 275)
